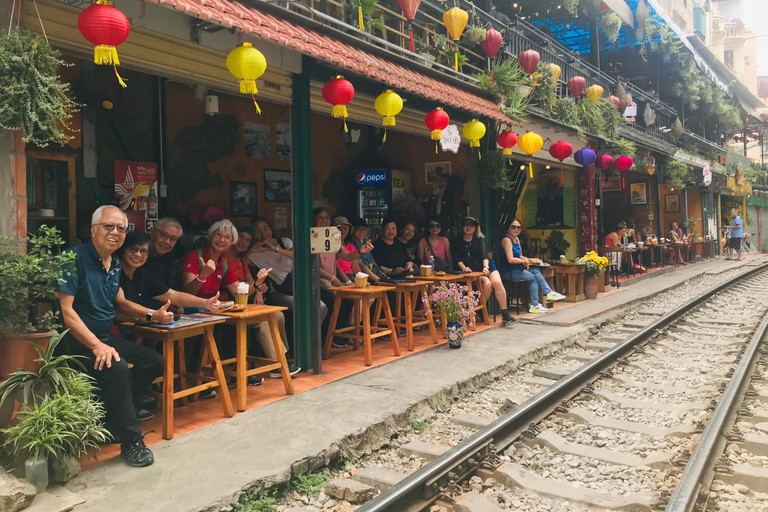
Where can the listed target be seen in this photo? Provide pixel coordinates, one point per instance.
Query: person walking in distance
(737, 233)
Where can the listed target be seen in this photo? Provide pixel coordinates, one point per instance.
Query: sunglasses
(515, 227)
(433, 226)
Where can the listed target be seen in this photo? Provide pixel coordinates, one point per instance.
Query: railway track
(613, 425)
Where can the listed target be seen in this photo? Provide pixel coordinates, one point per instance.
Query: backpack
(224, 267)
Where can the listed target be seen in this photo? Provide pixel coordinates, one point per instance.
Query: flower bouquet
(457, 305)
(594, 263)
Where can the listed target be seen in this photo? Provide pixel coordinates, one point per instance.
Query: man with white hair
(88, 297)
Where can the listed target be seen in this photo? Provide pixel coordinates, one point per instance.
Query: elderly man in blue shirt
(737, 233)
(88, 298)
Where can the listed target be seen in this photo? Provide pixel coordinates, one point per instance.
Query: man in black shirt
(163, 253)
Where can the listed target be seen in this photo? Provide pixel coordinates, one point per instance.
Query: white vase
(36, 472)
(523, 90)
(427, 59)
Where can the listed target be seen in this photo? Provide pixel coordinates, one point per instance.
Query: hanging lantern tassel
(530, 169)
(248, 86)
(602, 178)
(410, 34)
(491, 72)
(622, 183)
(360, 16)
(388, 104)
(340, 111)
(561, 177)
(105, 27)
(106, 55)
(456, 60)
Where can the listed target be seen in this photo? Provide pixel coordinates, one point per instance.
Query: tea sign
(324, 240)
(451, 140)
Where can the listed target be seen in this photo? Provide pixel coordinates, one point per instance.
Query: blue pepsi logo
(360, 177)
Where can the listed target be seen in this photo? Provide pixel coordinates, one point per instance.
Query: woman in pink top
(433, 244)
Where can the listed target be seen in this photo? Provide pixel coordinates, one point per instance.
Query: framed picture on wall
(277, 186)
(612, 184)
(242, 198)
(638, 193)
(436, 170)
(672, 203)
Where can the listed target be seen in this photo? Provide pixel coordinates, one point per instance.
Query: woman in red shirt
(205, 271)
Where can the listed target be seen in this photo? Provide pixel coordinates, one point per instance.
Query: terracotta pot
(590, 287)
(17, 350)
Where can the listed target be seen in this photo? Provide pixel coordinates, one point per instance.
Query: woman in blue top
(515, 267)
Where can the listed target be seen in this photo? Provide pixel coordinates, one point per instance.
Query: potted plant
(425, 51)
(594, 266)
(61, 427)
(557, 244)
(26, 280)
(456, 305)
(475, 34)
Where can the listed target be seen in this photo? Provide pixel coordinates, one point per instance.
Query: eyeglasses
(167, 237)
(434, 226)
(223, 236)
(515, 227)
(111, 227)
(136, 250)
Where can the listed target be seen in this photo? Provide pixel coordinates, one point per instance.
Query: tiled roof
(252, 21)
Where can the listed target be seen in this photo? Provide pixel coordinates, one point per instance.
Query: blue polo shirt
(737, 232)
(94, 289)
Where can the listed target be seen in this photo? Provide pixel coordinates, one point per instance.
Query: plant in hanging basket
(516, 108)
(544, 95)
(611, 26)
(33, 99)
(475, 35)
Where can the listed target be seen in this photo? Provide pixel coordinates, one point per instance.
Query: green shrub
(310, 483)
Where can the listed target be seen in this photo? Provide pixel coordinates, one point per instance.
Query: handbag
(439, 263)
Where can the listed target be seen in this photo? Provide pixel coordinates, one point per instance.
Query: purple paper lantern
(585, 157)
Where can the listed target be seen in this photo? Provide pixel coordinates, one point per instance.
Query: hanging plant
(572, 6)
(591, 118)
(611, 26)
(622, 147)
(516, 108)
(475, 35)
(508, 74)
(544, 94)
(33, 99)
(675, 174)
(494, 172)
(564, 111)
(612, 120)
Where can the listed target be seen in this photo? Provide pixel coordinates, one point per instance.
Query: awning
(231, 14)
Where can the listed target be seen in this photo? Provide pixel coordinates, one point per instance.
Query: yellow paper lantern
(529, 144)
(247, 64)
(556, 71)
(388, 104)
(455, 20)
(474, 131)
(594, 92)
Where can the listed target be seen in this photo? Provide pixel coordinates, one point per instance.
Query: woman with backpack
(435, 249)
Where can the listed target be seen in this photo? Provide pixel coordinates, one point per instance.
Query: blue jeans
(533, 277)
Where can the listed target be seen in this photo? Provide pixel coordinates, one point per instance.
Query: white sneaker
(554, 296)
(538, 309)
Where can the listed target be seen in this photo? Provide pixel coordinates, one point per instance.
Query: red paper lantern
(437, 121)
(409, 8)
(106, 27)
(576, 86)
(615, 100)
(507, 141)
(338, 92)
(560, 150)
(623, 164)
(604, 162)
(529, 59)
(491, 45)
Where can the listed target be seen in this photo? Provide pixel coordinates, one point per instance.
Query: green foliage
(257, 500)
(418, 425)
(612, 120)
(675, 174)
(591, 117)
(556, 242)
(507, 75)
(622, 147)
(61, 424)
(494, 172)
(474, 34)
(33, 99)
(572, 6)
(517, 108)
(310, 483)
(544, 94)
(706, 101)
(27, 278)
(57, 374)
(564, 110)
(611, 26)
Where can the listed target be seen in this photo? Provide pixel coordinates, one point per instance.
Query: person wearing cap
(470, 254)
(348, 268)
(367, 263)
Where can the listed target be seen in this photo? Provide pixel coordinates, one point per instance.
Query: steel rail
(422, 487)
(712, 442)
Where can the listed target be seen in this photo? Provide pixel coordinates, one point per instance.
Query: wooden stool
(472, 279)
(517, 290)
(173, 341)
(363, 329)
(406, 317)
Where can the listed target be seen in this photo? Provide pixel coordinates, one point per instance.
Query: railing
(735, 29)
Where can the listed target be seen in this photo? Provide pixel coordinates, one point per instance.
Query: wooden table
(473, 278)
(363, 329)
(173, 343)
(405, 316)
(254, 314)
(572, 284)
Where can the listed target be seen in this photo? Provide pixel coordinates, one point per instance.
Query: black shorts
(735, 243)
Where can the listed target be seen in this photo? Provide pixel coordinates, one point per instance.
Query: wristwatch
(148, 316)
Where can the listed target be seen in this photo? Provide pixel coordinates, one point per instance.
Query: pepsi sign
(371, 178)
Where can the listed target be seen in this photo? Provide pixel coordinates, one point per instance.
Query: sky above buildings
(755, 15)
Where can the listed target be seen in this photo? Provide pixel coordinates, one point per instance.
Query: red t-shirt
(216, 281)
(241, 270)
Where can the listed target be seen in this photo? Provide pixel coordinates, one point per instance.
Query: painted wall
(695, 211)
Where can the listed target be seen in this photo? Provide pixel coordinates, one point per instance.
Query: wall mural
(215, 138)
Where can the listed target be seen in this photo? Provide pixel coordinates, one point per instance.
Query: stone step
(557, 443)
(584, 415)
(756, 444)
(55, 499)
(651, 406)
(513, 475)
(423, 450)
(553, 372)
(474, 502)
(379, 478)
(754, 478)
(471, 421)
(350, 490)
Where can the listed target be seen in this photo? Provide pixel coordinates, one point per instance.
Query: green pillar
(303, 317)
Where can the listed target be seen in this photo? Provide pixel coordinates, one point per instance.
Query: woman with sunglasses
(435, 249)
(516, 267)
(471, 255)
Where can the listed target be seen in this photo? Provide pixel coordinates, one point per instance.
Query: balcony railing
(735, 29)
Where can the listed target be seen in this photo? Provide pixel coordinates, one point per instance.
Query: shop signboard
(136, 193)
(451, 140)
(402, 183)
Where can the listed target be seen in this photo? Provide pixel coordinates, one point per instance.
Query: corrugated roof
(270, 28)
